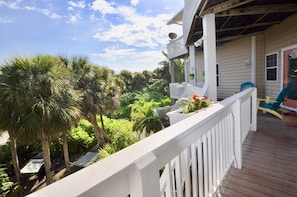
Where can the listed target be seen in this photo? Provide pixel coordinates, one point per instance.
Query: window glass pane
(271, 67)
(218, 82)
(271, 74)
(218, 75)
(271, 60)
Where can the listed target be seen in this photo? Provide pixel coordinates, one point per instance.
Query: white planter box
(176, 116)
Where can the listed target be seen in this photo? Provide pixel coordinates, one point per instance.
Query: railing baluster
(187, 172)
(194, 170)
(144, 180)
(205, 165)
(218, 153)
(214, 155)
(200, 168)
(210, 165)
(169, 183)
(237, 130)
(178, 173)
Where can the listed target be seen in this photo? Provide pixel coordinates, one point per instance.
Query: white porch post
(171, 65)
(210, 60)
(254, 56)
(192, 70)
(187, 70)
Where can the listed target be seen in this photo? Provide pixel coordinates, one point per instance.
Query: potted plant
(191, 76)
(189, 106)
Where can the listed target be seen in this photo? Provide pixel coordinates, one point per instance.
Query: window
(271, 67)
(218, 75)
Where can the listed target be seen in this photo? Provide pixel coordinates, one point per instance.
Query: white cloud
(3, 21)
(134, 2)
(138, 30)
(114, 54)
(15, 5)
(103, 6)
(45, 12)
(130, 58)
(78, 4)
(73, 18)
(93, 17)
(55, 16)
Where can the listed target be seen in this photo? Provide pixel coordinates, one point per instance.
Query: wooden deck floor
(269, 162)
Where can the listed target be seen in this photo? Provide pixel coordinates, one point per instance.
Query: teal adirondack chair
(273, 106)
(246, 85)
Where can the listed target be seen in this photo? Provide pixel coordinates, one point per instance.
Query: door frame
(282, 72)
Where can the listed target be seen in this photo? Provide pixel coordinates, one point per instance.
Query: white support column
(254, 56)
(171, 65)
(210, 60)
(187, 70)
(192, 56)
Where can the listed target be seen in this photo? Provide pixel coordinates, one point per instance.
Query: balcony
(209, 153)
(269, 162)
(176, 48)
(179, 90)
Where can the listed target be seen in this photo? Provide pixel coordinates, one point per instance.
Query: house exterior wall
(231, 59)
(232, 55)
(278, 37)
(260, 65)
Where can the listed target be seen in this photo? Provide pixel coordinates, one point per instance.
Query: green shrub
(5, 154)
(5, 183)
(81, 138)
(107, 150)
(86, 126)
(56, 149)
(121, 134)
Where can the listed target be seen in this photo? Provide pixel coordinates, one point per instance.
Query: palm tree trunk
(98, 134)
(102, 122)
(66, 153)
(15, 161)
(106, 137)
(47, 161)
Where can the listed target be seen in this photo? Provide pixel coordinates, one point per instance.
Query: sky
(118, 34)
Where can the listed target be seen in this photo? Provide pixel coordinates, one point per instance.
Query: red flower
(195, 96)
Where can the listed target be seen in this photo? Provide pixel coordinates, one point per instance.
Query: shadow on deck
(269, 162)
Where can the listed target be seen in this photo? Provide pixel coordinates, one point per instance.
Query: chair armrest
(267, 100)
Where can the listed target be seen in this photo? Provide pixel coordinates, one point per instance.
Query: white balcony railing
(176, 90)
(176, 48)
(179, 90)
(189, 158)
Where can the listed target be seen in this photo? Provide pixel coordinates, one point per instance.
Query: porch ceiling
(241, 18)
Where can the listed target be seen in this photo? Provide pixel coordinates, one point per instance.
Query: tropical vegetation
(63, 106)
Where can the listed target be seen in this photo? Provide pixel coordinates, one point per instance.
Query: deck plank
(269, 162)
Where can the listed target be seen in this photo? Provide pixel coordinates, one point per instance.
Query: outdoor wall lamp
(247, 62)
(199, 42)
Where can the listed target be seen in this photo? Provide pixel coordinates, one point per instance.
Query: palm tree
(145, 120)
(99, 92)
(40, 101)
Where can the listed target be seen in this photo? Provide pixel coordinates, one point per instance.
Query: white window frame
(218, 74)
(274, 67)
